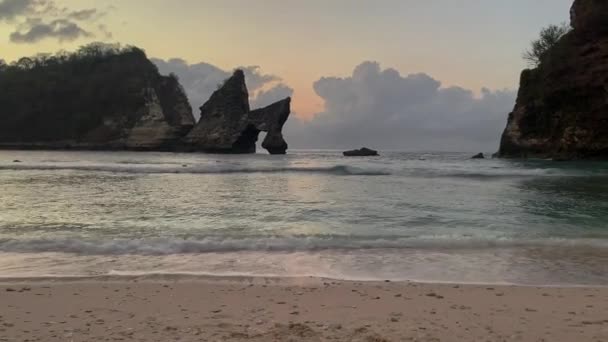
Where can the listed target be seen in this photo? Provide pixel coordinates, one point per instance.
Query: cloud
(43, 19)
(380, 108)
(86, 14)
(11, 9)
(274, 94)
(256, 79)
(200, 80)
(61, 29)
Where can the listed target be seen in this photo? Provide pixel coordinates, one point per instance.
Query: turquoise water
(402, 216)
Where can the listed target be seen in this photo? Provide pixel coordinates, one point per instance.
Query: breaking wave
(498, 173)
(339, 170)
(214, 244)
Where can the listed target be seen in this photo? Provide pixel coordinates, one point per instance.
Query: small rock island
(362, 152)
(104, 97)
(562, 106)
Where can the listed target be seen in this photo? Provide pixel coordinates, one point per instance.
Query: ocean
(429, 217)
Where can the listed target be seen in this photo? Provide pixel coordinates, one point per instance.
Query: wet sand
(303, 309)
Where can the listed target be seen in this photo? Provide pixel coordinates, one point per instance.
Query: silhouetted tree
(549, 37)
(70, 95)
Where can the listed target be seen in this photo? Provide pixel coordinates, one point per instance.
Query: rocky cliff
(101, 97)
(227, 125)
(105, 97)
(562, 106)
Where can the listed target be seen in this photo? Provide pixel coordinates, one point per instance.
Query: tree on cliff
(549, 37)
(66, 95)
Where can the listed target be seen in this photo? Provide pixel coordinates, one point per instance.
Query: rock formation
(107, 98)
(101, 97)
(271, 119)
(362, 152)
(562, 106)
(163, 120)
(227, 125)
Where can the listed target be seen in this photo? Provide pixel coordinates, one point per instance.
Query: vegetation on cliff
(561, 110)
(548, 40)
(92, 95)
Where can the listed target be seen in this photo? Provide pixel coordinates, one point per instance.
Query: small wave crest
(495, 174)
(339, 170)
(211, 244)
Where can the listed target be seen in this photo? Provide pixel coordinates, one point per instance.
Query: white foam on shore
(520, 266)
(214, 244)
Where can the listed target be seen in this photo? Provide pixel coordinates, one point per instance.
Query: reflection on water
(310, 213)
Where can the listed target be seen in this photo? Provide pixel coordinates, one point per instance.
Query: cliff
(101, 97)
(562, 106)
(107, 98)
(227, 125)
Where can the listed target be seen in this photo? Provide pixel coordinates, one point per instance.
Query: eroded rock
(227, 125)
(562, 109)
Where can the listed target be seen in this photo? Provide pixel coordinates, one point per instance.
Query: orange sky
(469, 43)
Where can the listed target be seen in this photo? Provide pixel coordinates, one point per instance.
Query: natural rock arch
(227, 125)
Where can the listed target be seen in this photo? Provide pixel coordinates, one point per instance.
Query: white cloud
(200, 80)
(380, 108)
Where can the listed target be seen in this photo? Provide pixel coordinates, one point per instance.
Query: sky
(393, 64)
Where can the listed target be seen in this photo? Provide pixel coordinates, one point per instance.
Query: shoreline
(170, 308)
(212, 279)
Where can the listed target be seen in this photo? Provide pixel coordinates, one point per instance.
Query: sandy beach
(263, 309)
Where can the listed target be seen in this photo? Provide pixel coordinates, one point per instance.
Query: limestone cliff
(562, 106)
(227, 125)
(101, 97)
(163, 120)
(108, 98)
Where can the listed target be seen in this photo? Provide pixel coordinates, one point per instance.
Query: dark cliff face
(222, 118)
(562, 106)
(107, 98)
(271, 119)
(228, 126)
(97, 98)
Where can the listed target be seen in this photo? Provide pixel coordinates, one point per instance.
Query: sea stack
(562, 106)
(227, 125)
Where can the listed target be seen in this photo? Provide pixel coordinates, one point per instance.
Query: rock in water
(562, 109)
(362, 152)
(271, 119)
(227, 125)
(223, 119)
(478, 156)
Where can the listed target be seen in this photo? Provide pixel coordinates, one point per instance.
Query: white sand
(240, 309)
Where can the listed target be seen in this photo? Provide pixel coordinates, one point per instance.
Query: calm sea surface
(402, 216)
